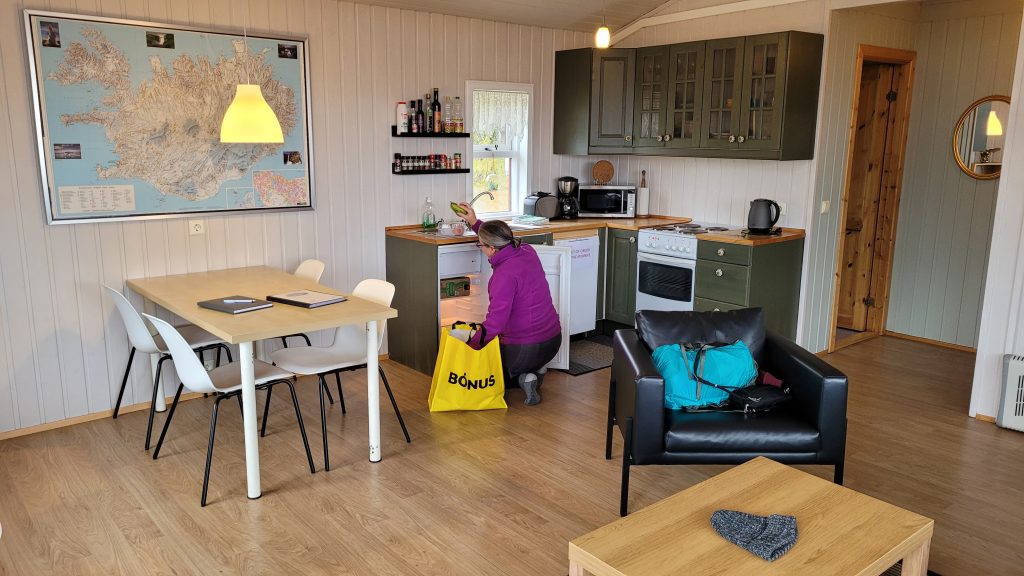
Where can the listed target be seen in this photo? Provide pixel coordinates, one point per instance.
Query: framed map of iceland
(128, 119)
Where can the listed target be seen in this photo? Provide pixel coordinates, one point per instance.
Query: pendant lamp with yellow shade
(249, 119)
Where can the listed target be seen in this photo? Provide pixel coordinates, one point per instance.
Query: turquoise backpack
(731, 366)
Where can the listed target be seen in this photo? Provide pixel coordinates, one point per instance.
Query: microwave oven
(607, 201)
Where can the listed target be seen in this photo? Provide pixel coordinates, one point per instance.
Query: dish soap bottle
(429, 220)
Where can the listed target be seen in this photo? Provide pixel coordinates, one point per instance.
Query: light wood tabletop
(180, 293)
(841, 532)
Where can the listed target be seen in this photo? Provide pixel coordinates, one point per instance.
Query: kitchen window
(499, 115)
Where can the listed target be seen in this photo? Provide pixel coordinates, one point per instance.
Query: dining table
(179, 294)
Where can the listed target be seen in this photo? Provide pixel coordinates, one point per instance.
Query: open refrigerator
(463, 273)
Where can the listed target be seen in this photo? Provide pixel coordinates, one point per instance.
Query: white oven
(664, 282)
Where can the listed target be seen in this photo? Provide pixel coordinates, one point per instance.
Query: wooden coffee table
(842, 532)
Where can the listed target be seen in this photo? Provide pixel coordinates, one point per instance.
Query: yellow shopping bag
(464, 378)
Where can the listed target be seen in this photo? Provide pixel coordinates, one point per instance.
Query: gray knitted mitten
(766, 536)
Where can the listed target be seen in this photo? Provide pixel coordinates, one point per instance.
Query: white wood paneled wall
(945, 220)
(62, 347)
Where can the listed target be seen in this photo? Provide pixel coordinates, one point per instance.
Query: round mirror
(978, 139)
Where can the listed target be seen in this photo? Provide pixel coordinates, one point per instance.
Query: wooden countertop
(737, 237)
(414, 232)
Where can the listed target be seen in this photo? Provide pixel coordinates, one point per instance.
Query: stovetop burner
(690, 228)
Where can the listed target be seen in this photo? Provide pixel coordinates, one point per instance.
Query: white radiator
(1011, 405)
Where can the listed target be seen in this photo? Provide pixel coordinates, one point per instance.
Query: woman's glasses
(481, 245)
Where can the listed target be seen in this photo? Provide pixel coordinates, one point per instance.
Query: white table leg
(252, 447)
(373, 390)
(161, 400)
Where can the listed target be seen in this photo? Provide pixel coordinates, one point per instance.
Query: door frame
(888, 208)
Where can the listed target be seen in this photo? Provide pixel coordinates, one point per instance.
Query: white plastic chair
(142, 340)
(312, 269)
(348, 352)
(224, 381)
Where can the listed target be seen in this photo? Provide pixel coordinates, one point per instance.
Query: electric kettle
(763, 215)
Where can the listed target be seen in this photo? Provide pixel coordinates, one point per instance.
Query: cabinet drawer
(705, 305)
(723, 252)
(723, 282)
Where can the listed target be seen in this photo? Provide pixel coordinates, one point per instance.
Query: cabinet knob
(732, 138)
(632, 240)
(659, 138)
(629, 137)
(668, 137)
(721, 251)
(741, 139)
(718, 272)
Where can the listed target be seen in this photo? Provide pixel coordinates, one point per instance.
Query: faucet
(475, 198)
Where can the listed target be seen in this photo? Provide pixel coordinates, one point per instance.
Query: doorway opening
(871, 195)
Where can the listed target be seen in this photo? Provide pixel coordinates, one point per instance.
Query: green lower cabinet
(620, 287)
(731, 276)
(705, 305)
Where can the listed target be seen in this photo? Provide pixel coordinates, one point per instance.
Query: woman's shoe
(529, 384)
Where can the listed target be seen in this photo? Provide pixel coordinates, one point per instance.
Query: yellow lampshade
(249, 119)
(603, 38)
(993, 127)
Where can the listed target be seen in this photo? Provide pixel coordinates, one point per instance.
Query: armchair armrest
(819, 390)
(639, 393)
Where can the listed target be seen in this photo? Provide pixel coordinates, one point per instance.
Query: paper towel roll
(643, 201)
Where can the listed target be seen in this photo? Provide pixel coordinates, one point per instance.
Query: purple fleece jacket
(520, 309)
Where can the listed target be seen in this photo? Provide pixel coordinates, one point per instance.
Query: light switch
(196, 227)
(825, 206)
(782, 208)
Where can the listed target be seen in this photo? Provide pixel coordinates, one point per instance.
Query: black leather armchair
(809, 429)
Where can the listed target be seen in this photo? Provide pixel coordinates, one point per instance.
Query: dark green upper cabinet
(720, 119)
(593, 101)
(667, 105)
(750, 97)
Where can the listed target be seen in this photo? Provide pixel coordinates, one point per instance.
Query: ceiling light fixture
(603, 37)
(249, 119)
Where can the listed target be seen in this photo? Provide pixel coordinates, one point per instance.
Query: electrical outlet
(825, 204)
(209, 363)
(196, 227)
(782, 208)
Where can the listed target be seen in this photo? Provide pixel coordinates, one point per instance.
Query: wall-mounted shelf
(394, 133)
(445, 171)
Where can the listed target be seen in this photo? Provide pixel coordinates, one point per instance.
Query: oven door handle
(677, 261)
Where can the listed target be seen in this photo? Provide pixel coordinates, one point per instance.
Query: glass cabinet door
(763, 85)
(722, 69)
(650, 90)
(686, 77)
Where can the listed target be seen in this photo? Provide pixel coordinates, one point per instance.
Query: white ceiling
(583, 15)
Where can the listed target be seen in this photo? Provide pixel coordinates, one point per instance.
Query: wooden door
(867, 177)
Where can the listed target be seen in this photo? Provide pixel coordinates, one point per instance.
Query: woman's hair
(496, 234)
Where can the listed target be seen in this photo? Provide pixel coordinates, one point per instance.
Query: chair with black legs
(224, 381)
(313, 269)
(142, 340)
(348, 352)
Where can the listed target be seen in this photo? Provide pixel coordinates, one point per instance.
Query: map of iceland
(138, 130)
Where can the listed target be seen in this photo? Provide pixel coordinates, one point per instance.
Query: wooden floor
(482, 493)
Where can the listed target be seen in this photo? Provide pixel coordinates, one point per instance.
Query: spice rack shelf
(395, 134)
(445, 171)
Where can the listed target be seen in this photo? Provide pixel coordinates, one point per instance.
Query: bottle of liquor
(420, 119)
(435, 107)
(428, 115)
(401, 118)
(446, 119)
(414, 125)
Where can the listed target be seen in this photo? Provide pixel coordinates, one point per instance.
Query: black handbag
(753, 398)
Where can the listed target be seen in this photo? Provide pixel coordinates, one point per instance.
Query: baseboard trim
(938, 343)
(86, 418)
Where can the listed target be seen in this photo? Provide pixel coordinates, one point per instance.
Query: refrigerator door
(557, 263)
(583, 293)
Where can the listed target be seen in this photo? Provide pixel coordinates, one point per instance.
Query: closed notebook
(306, 298)
(234, 304)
